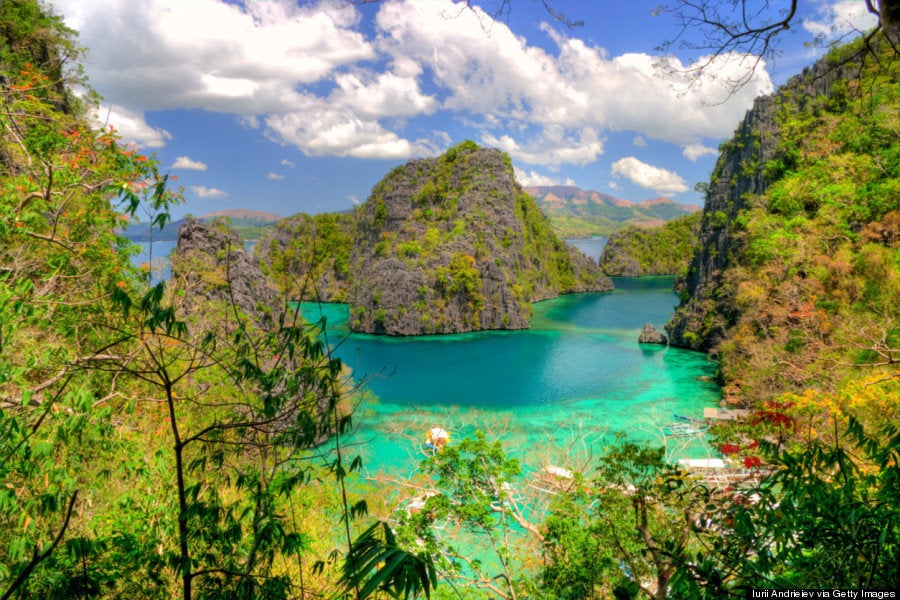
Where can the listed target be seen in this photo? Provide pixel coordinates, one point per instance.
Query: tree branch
(37, 558)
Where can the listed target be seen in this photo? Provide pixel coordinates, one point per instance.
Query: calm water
(550, 393)
(576, 375)
(591, 246)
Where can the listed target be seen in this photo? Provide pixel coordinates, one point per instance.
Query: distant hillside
(250, 225)
(637, 251)
(574, 212)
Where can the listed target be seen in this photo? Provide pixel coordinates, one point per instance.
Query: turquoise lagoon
(552, 394)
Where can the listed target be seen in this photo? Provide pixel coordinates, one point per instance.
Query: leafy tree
(62, 264)
(627, 532)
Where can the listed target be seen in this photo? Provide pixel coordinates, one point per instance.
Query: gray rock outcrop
(212, 268)
(650, 335)
(453, 244)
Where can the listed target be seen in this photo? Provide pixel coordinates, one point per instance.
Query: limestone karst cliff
(757, 156)
(212, 269)
(453, 244)
(795, 280)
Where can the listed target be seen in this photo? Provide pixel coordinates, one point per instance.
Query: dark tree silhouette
(751, 30)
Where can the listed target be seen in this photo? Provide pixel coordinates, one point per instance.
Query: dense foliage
(814, 273)
(308, 257)
(144, 451)
(663, 250)
(150, 451)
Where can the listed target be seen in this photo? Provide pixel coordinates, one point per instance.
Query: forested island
(188, 439)
(443, 245)
(661, 250)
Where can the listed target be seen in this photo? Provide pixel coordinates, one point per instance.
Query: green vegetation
(308, 257)
(459, 228)
(143, 454)
(814, 278)
(150, 451)
(665, 250)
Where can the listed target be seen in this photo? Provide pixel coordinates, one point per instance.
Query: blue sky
(294, 107)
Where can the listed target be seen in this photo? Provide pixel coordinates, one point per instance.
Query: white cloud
(132, 127)
(325, 130)
(840, 18)
(183, 162)
(275, 176)
(693, 152)
(532, 178)
(204, 192)
(500, 82)
(244, 59)
(383, 95)
(639, 141)
(308, 75)
(648, 176)
(552, 146)
(287, 163)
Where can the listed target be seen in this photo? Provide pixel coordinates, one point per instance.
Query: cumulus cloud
(204, 192)
(501, 82)
(693, 152)
(132, 127)
(533, 178)
(648, 176)
(275, 176)
(183, 162)
(245, 59)
(840, 18)
(287, 163)
(639, 141)
(324, 131)
(552, 146)
(308, 75)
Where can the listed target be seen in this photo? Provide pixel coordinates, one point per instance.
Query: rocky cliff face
(213, 269)
(747, 165)
(453, 244)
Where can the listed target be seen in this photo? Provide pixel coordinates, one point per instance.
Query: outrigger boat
(692, 420)
(684, 430)
(553, 480)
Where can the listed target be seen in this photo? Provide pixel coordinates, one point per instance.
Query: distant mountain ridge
(249, 223)
(575, 212)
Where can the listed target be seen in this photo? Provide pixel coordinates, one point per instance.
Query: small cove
(576, 376)
(549, 393)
